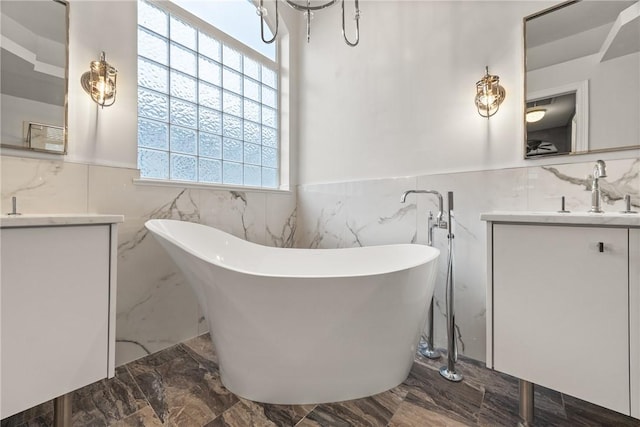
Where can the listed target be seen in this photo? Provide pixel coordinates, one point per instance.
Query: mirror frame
(582, 97)
(65, 124)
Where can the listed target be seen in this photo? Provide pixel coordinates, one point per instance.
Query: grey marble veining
(241, 197)
(397, 215)
(247, 413)
(321, 230)
(36, 178)
(169, 210)
(375, 410)
(612, 189)
(107, 401)
(181, 390)
(135, 343)
(352, 214)
(43, 186)
(286, 238)
(548, 183)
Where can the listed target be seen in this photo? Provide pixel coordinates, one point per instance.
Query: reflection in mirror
(34, 74)
(551, 125)
(557, 120)
(588, 53)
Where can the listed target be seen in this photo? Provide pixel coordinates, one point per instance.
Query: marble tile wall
(155, 306)
(370, 213)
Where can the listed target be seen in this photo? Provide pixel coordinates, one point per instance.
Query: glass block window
(207, 104)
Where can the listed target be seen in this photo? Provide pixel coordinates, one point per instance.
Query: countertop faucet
(599, 171)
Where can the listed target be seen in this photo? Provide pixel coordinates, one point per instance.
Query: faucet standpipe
(425, 346)
(14, 205)
(562, 209)
(627, 202)
(599, 171)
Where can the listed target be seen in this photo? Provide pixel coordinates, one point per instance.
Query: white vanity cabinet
(563, 304)
(58, 282)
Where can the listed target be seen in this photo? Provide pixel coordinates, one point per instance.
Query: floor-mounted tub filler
(426, 347)
(298, 326)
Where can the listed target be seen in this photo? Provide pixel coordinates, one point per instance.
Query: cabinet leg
(62, 410)
(526, 403)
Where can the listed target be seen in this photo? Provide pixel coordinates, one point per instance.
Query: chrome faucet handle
(14, 204)
(627, 201)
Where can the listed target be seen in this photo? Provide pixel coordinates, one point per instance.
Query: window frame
(282, 172)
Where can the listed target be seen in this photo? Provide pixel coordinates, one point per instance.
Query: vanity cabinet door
(54, 317)
(634, 317)
(560, 309)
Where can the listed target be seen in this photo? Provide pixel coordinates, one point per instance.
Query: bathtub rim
(158, 232)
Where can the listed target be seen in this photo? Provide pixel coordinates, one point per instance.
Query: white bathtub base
(310, 394)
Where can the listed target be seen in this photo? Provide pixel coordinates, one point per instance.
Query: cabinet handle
(600, 247)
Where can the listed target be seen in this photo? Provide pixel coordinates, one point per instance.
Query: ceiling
(573, 19)
(575, 31)
(33, 54)
(45, 18)
(607, 28)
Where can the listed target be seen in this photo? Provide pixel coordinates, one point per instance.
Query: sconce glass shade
(100, 82)
(535, 115)
(489, 95)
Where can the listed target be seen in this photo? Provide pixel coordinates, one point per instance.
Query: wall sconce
(489, 94)
(100, 82)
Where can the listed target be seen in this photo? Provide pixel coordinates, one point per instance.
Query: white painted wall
(105, 136)
(401, 103)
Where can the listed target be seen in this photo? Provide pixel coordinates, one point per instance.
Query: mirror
(34, 66)
(582, 78)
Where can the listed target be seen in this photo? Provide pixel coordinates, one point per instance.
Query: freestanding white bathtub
(299, 326)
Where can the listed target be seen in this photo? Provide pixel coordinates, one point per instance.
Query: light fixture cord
(308, 15)
(357, 18)
(262, 12)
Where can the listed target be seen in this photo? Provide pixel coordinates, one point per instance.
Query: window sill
(203, 186)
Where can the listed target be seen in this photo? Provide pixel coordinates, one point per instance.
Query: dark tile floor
(180, 386)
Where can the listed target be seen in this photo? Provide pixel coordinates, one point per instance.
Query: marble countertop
(576, 218)
(39, 220)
